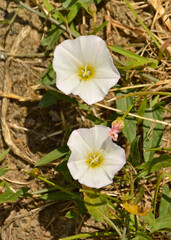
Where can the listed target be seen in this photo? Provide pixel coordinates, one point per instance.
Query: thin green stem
(136, 223)
(112, 225)
(94, 21)
(46, 17)
(139, 94)
(166, 109)
(55, 185)
(143, 25)
(102, 195)
(157, 149)
(131, 183)
(126, 226)
(159, 179)
(87, 235)
(128, 110)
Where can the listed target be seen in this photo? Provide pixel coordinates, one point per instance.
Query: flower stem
(128, 110)
(87, 235)
(102, 195)
(126, 227)
(112, 225)
(55, 185)
(136, 223)
(160, 177)
(157, 149)
(131, 114)
(139, 94)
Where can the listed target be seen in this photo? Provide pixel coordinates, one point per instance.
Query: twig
(7, 88)
(133, 115)
(143, 25)
(27, 55)
(20, 98)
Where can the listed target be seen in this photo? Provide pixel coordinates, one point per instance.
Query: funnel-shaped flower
(85, 67)
(94, 157)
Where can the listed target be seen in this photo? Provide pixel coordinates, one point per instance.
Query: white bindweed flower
(94, 158)
(84, 67)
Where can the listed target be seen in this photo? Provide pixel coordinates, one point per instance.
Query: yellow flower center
(94, 160)
(86, 72)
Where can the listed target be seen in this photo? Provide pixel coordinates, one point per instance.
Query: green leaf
(141, 110)
(51, 39)
(55, 154)
(5, 21)
(99, 28)
(96, 206)
(73, 12)
(139, 195)
(165, 203)
(2, 155)
(73, 29)
(48, 6)
(149, 219)
(68, 3)
(134, 156)
(3, 171)
(155, 165)
(142, 236)
(47, 100)
(138, 60)
(71, 214)
(62, 167)
(10, 196)
(123, 104)
(67, 98)
(48, 77)
(94, 119)
(152, 132)
(56, 196)
(85, 4)
(161, 222)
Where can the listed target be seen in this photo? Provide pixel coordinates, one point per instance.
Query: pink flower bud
(92, 8)
(117, 126)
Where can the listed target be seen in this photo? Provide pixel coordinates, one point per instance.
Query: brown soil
(31, 219)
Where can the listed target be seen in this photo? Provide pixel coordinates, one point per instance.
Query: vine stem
(158, 149)
(139, 94)
(131, 114)
(159, 179)
(54, 185)
(46, 17)
(87, 235)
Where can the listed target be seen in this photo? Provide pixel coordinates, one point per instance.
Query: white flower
(94, 158)
(85, 67)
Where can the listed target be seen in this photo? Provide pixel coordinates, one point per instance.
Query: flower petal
(67, 55)
(90, 139)
(77, 167)
(70, 55)
(89, 91)
(114, 160)
(90, 46)
(95, 178)
(77, 142)
(67, 83)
